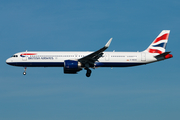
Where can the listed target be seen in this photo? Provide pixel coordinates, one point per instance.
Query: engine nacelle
(72, 66)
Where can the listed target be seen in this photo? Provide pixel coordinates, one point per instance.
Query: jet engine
(72, 66)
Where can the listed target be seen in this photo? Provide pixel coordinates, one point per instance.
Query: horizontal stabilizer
(163, 56)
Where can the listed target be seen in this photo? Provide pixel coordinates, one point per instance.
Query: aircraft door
(24, 58)
(143, 56)
(107, 57)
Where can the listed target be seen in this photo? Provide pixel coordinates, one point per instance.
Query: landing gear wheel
(88, 74)
(24, 73)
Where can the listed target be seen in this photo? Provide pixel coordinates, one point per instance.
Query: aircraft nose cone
(8, 61)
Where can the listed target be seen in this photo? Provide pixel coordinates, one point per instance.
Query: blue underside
(61, 64)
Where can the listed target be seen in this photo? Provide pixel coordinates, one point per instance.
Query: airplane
(73, 62)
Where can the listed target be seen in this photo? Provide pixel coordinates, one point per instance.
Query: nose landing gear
(24, 73)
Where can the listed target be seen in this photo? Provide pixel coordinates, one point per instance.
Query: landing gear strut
(88, 73)
(24, 73)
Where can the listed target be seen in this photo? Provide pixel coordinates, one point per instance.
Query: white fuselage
(56, 59)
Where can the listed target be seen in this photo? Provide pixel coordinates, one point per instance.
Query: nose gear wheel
(24, 73)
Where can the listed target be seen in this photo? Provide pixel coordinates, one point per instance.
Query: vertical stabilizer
(159, 44)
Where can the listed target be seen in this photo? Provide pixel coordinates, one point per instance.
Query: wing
(93, 57)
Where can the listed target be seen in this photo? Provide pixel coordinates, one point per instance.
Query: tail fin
(159, 44)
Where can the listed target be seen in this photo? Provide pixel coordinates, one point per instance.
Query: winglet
(108, 43)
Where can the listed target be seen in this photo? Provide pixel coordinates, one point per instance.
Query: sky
(135, 93)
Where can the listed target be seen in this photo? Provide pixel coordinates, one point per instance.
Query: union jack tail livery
(159, 44)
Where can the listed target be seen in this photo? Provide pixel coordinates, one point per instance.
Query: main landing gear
(88, 73)
(24, 73)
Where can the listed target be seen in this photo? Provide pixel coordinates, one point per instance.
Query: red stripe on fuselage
(28, 54)
(163, 37)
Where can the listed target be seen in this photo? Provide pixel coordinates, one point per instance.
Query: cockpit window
(15, 56)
